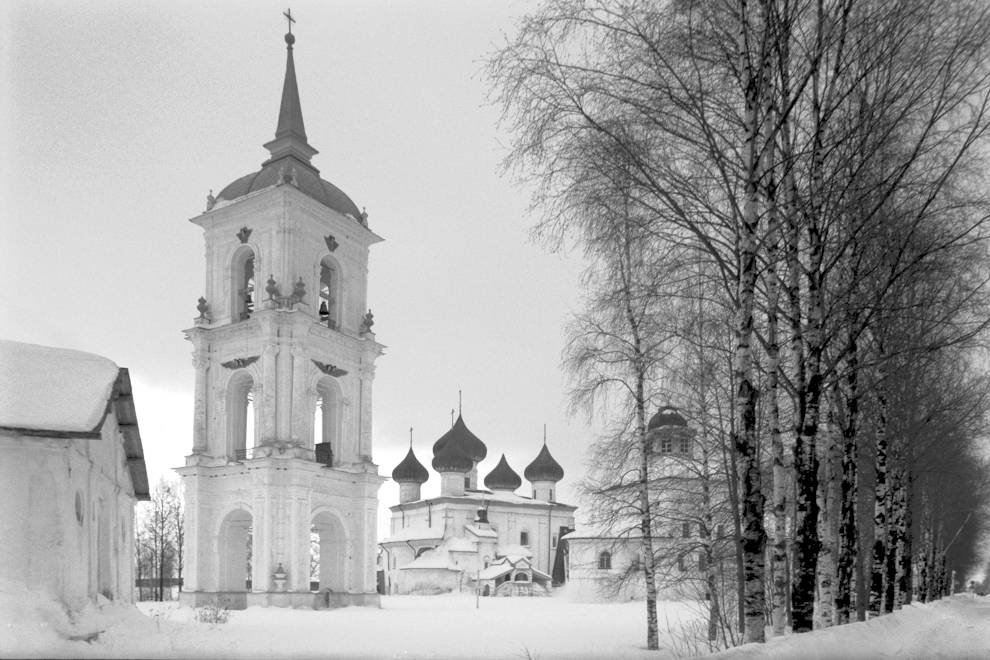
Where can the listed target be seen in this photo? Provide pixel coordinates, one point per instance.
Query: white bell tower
(285, 358)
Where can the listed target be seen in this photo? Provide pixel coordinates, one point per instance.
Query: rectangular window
(680, 562)
(683, 446)
(719, 530)
(686, 530)
(666, 445)
(702, 562)
(523, 538)
(553, 541)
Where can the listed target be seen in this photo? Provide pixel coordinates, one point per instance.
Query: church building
(492, 537)
(284, 356)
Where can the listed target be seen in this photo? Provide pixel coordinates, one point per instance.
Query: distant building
(689, 541)
(72, 467)
(469, 533)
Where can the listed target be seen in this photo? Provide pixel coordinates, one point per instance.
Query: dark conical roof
(451, 459)
(503, 477)
(666, 416)
(544, 467)
(468, 443)
(291, 155)
(410, 470)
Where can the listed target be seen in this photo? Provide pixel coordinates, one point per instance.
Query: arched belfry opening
(328, 548)
(240, 416)
(242, 288)
(329, 308)
(326, 422)
(234, 551)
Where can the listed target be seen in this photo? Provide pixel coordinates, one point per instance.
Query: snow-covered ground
(450, 627)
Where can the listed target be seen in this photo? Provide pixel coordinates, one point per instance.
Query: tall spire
(290, 134)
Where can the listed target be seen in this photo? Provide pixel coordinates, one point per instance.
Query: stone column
(201, 363)
(265, 394)
(300, 397)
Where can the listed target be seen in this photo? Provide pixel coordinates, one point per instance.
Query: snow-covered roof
(460, 544)
(481, 497)
(507, 565)
(513, 550)
(593, 533)
(47, 391)
(53, 389)
(431, 559)
(482, 532)
(415, 534)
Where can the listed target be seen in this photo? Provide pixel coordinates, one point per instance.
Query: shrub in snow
(215, 613)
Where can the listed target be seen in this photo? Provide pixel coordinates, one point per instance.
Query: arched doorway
(328, 547)
(234, 551)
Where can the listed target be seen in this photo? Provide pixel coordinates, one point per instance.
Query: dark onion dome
(503, 477)
(451, 459)
(666, 416)
(468, 443)
(410, 470)
(544, 467)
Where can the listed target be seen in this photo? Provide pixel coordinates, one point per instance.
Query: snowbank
(955, 628)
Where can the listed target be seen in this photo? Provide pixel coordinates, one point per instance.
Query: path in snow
(450, 627)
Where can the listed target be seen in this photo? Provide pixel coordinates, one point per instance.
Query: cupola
(668, 433)
(410, 475)
(544, 472)
(468, 444)
(503, 477)
(453, 467)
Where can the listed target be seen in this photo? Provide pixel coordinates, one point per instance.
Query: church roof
(57, 392)
(544, 467)
(503, 477)
(461, 437)
(291, 154)
(666, 416)
(410, 470)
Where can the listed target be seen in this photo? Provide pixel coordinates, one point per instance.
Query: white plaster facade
(271, 482)
(455, 546)
(71, 474)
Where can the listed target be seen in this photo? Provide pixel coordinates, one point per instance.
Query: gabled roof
(61, 393)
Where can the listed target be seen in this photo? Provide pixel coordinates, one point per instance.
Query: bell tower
(284, 356)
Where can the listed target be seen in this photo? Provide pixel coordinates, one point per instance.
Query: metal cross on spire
(410, 437)
(288, 15)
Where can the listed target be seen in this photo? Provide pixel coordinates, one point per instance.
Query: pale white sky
(119, 117)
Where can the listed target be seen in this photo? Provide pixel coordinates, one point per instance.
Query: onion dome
(466, 442)
(666, 416)
(291, 155)
(503, 477)
(451, 459)
(544, 467)
(410, 470)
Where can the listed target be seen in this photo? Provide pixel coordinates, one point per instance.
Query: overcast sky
(119, 117)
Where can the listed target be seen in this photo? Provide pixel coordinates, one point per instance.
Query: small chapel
(281, 493)
(489, 538)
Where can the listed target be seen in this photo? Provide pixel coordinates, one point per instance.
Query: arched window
(524, 538)
(242, 284)
(329, 285)
(604, 560)
(326, 423)
(240, 415)
(521, 577)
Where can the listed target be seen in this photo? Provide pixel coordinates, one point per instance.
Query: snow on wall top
(53, 389)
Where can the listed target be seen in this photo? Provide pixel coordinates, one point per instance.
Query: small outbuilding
(72, 468)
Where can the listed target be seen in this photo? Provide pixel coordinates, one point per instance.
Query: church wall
(75, 550)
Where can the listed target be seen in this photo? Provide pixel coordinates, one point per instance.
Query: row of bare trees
(784, 208)
(159, 539)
